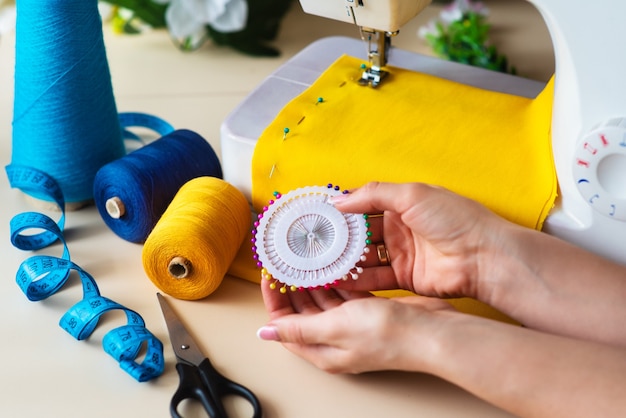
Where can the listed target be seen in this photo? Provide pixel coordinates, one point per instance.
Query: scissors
(198, 378)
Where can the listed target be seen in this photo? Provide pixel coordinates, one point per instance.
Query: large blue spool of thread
(133, 192)
(65, 120)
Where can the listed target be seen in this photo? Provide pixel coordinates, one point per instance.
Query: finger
(371, 279)
(375, 255)
(378, 197)
(369, 257)
(375, 228)
(427, 303)
(280, 304)
(311, 301)
(298, 329)
(352, 295)
(325, 298)
(303, 301)
(277, 304)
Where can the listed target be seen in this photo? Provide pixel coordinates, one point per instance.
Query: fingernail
(268, 333)
(338, 198)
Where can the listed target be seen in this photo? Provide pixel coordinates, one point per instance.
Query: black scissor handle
(220, 386)
(207, 386)
(191, 386)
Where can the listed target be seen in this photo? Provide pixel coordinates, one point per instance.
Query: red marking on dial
(604, 140)
(582, 163)
(589, 148)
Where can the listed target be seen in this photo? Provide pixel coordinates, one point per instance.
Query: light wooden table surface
(47, 373)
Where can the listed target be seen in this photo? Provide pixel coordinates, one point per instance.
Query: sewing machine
(589, 110)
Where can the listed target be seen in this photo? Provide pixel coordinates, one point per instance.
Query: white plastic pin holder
(304, 242)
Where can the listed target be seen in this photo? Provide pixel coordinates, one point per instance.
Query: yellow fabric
(492, 147)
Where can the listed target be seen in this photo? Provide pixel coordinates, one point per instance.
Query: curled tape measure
(142, 120)
(41, 276)
(303, 241)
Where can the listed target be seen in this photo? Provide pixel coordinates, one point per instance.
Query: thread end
(179, 267)
(115, 207)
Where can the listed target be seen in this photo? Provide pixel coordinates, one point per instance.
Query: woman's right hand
(438, 241)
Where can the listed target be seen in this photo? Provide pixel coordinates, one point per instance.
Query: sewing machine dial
(600, 169)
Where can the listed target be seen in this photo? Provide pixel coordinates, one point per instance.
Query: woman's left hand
(349, 332)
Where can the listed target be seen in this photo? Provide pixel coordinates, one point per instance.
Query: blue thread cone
(65, 121)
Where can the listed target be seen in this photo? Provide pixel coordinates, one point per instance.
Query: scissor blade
(184, 346)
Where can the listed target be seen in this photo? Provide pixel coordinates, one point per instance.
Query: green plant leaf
(151, 13)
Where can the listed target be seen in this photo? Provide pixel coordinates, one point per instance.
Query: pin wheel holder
(302, 241)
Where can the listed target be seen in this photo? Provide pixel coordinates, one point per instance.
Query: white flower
(106, 10)
(428, 29)
(452, 13)
(457, 8)
(187, 18)
(7, 16)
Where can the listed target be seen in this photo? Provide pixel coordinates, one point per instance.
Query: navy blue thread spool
(65, 120)
(132, 193)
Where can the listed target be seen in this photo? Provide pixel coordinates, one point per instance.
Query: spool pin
(179, 267)
(115, 207)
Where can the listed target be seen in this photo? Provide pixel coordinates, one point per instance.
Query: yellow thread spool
(192, 246)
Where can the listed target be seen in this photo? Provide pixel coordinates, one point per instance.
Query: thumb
(268, 333)
(297, 329)
(308, 338)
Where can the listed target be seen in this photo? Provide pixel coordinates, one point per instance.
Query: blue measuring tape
(143, 120)
(41, 276)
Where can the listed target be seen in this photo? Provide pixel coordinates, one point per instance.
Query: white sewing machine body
(589, 112)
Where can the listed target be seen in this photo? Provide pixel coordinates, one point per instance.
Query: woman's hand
(441, 244)
(444, 245)
(437, 240)
(523, 371)
(345, 332)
